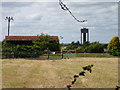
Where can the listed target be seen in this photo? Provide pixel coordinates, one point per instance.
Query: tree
(54, 46)
(94, 47)
(113, 47)
(113, 43)
(85, 44)
(7, 46)
(73, 45)
(0, 45)
(43, 43)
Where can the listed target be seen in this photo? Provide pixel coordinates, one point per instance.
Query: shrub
(113, 43)
(81, 49)
(115, 51)
(113, 47)
(95, 47)
(86, 44)
(22, 51)
(43, 43)
(27, 54)
(73, 45)
(54, 46)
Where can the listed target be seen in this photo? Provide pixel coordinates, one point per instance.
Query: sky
(33, 18)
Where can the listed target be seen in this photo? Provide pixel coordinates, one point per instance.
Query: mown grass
(25, 73)
(71, 55)
(100, 55)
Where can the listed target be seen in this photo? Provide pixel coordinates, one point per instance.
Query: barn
(27, 40)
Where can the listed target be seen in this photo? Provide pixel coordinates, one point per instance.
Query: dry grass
(21, 73)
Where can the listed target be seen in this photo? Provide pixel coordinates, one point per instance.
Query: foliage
(73, 45)
(105, 46)
(34, 50)
(0, 45)
(113, 47)
(7, 46)
(27, 54)
(113, 43)
(94, 47)
(44, 43)
(54, 46)
(21, 51)
(83, 47)
(114, 51)
(85, 44)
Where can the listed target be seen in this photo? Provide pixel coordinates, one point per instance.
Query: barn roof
(27, 38)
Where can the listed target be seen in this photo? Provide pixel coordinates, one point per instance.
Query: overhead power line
(64, 7)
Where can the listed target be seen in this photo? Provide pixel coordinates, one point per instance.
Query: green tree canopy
(42, 43)
(113, 47)
(114, 43)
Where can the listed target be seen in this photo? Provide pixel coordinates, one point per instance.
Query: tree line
(112, 48)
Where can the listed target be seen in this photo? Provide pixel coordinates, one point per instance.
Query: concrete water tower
(84, 35)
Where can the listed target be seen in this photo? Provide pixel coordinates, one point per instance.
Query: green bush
(95, 47)
(113, 47)
(27, 54)
(35, 50)
(81, 49)
(43, 43)
(54, 46)
(114, 42)
(22, 51)
(86, 44)
(73, 46)
(114, 52)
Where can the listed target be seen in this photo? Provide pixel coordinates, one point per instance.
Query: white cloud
(34, 18)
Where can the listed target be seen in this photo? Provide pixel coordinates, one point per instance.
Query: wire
(64, 7)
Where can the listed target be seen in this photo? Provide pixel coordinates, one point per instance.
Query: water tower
(84, 35)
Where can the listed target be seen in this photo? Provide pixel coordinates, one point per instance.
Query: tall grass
(32, 73)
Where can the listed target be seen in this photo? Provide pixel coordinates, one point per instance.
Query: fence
(69, 54)
(39, 54)
(51, 55)
(31, 54)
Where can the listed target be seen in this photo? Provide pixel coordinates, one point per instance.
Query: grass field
(100, 55)
(26, 73)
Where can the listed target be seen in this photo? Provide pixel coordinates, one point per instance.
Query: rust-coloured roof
(27, 38)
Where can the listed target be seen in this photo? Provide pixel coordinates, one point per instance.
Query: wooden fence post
(48, 55)
(62, 54)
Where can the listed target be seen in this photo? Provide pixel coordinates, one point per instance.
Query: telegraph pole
(9, 19)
